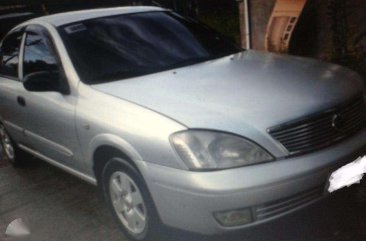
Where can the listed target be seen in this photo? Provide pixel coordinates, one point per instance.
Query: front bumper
(187, 200)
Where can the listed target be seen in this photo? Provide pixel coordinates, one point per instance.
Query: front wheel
(130, 202)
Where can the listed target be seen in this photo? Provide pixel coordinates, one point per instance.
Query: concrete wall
(313, 35)
(260, 11)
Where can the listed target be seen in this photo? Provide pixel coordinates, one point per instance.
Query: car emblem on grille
(338, 122)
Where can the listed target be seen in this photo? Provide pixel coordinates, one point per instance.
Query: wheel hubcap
(6, 143)
(127, 202)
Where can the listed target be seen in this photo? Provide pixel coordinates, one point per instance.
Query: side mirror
(43, 81)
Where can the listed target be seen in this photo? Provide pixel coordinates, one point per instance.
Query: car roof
(75, 16)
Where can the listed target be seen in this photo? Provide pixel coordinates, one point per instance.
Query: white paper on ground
(347, 175)
(17, 228)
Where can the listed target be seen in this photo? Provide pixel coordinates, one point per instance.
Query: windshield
(124, 46)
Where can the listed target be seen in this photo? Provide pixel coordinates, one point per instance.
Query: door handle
(21, 101)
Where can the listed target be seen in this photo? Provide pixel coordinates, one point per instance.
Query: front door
(47, 117)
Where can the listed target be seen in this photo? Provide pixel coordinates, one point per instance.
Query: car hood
(245, 93)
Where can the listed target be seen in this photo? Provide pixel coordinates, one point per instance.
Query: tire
(10, 151)
(130, 202)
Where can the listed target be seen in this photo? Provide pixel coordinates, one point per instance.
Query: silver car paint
(8, 105)
(111, 121)
(61, 145)
(126, 126)
(223, 94)
(60, 115)
(232, 94)
(188, 199)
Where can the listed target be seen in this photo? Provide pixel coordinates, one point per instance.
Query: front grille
(322, 129)
(281, 206)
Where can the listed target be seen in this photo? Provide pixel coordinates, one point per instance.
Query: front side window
(9, 55)
(124, 46)
(38, 55)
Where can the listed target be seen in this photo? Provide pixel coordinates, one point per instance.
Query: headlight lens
(215, 150)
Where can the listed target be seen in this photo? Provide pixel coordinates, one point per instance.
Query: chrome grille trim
(317, 131)
(281, 206)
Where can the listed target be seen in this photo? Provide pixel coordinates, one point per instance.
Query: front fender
(115, 142)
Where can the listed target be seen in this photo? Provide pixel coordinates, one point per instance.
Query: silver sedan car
(173, 123)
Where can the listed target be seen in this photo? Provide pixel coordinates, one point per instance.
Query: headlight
(214, 150)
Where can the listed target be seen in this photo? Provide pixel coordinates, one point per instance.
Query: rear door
(10, 85)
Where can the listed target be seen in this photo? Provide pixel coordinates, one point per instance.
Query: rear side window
(9, 55)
